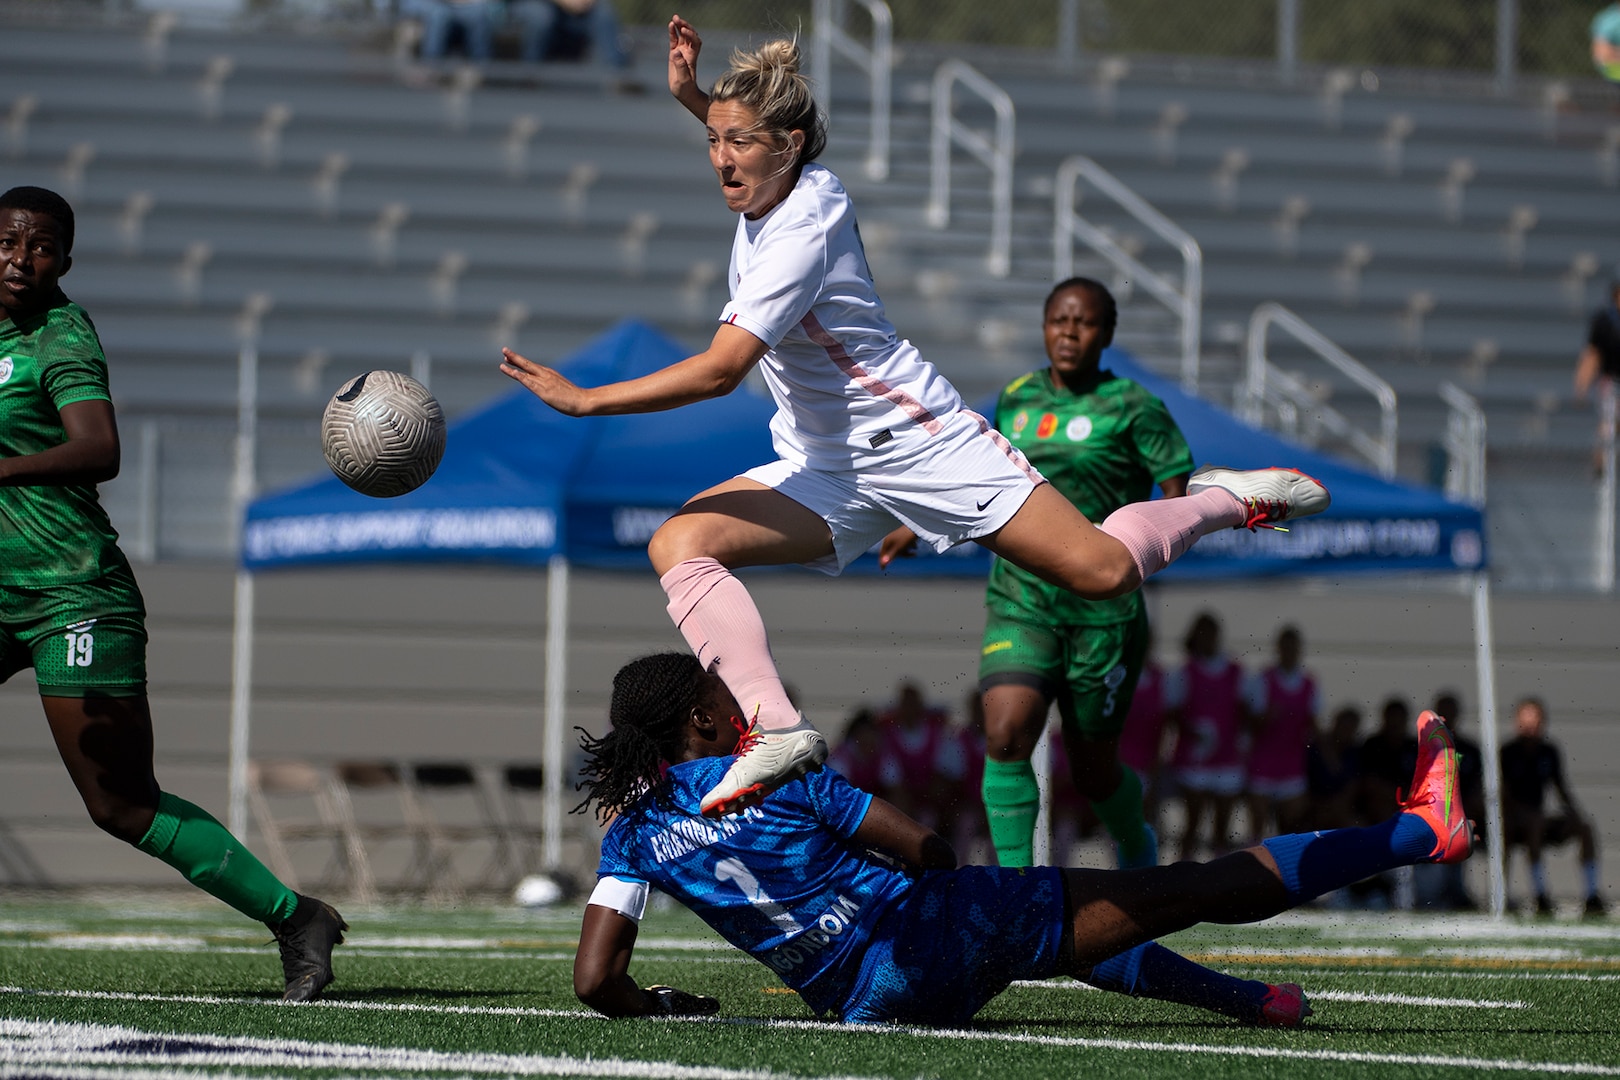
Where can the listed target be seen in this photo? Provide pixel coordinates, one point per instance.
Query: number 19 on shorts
(81, 648)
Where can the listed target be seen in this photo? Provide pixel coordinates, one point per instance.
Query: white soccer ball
(383, 434)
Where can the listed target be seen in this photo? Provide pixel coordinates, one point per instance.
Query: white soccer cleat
(1269, 496)
(765, 761)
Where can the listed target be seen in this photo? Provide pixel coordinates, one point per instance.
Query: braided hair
(652, 698)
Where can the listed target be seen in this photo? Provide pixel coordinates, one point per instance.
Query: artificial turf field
(161, 986)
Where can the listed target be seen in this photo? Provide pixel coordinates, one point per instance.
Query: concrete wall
(421, 664)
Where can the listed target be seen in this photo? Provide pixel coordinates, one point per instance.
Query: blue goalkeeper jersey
(781, 881)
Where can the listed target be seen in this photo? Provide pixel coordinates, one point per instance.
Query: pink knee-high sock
(1158, 533)
(719, 621)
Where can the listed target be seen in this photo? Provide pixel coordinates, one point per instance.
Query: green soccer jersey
(1103, 446)
(59, 534)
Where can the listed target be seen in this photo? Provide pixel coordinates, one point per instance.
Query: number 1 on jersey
(734, 872)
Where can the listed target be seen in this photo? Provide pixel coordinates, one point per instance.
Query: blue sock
(1315, 863)
(1152, 971)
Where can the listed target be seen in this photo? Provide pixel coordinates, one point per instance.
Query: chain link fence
(1550, 37)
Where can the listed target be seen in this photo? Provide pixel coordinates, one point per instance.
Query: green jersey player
(69, 605)
(1102, 441)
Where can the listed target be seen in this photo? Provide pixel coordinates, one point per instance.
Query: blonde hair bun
(768, 80)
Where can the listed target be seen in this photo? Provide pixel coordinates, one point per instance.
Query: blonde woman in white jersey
(869, 434)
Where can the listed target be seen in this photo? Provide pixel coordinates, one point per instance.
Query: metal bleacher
(379, 220)
(385, 215)
(1434, 235)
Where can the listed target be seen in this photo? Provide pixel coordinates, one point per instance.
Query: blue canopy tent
(522, 485)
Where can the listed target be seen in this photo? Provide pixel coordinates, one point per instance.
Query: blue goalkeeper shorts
(956, 941)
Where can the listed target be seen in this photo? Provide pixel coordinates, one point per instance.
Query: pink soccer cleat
(1435, 796)
(765, 761)
(1285, 1006)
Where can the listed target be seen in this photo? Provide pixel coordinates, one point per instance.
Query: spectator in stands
(1599, 364)
(922, 763)
(1333, 772)
(1141, 742)
(1606, 42)
(1204, 702)
(570, 29)
(1530, 762)
(1383, 755)
(475, 20)
(859, 755)
(1446, 887)
(972, 827)
(1282, 705)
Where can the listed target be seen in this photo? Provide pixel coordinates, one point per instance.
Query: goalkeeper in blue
(865, 913)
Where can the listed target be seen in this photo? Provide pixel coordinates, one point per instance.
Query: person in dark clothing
(1333, 772)
(1530, 763)
(1386, 759)
(1599, 366)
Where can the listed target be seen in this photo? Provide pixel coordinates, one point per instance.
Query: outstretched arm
(684, 46)
(602, 973)
(89, 456)
(893, 832)
(714, 372)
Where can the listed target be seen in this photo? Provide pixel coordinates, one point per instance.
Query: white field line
(1326, 995)
(1572, 1068)
(328, 1003)
(1219, 1050)
(1413, 999)
(191, 946)
(30, 1047)
(1384, 924)
(1410, 973)
(1553, 953)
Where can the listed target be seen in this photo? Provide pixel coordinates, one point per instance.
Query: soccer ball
(383, 434)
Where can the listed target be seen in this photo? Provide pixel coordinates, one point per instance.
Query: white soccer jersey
(848, 391)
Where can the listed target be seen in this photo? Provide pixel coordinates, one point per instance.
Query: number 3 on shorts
(81, 648)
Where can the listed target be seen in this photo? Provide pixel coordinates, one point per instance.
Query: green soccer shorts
(82, 639)
(1090, 671)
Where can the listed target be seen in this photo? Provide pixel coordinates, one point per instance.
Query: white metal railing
(1606, 487)
(996, 155)
(1268, 385)
(828, 36)
(1185, 300)
(1464, 443)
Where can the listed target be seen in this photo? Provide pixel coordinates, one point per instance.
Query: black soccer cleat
(306, 942)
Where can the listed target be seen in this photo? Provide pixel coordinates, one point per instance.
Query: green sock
(1121, 814)
(189, 839)
(1012, 799)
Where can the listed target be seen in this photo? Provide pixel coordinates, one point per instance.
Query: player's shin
(1158, 533)
(1012, 800)
(1152, 971)
(1121, 814)
(1312, 864)
(189, 839)
(719, 621)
